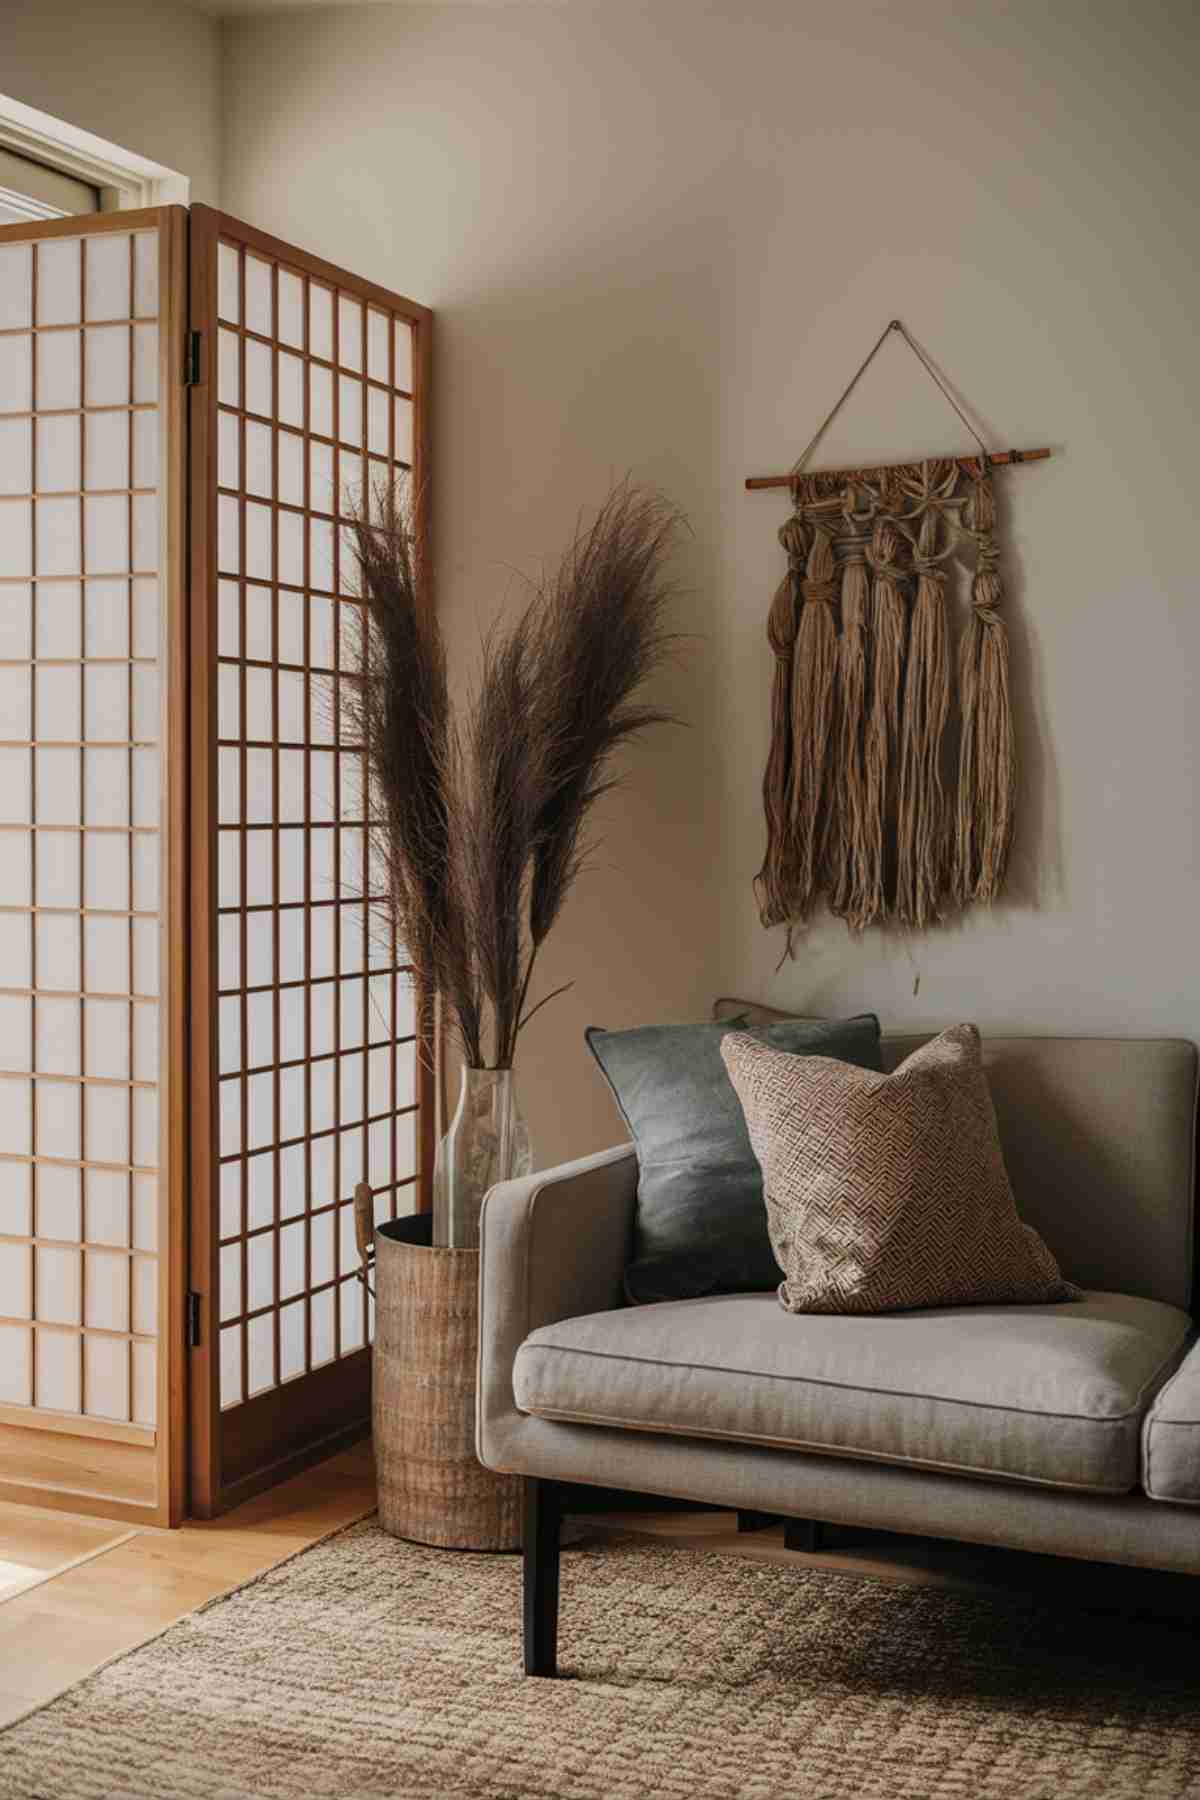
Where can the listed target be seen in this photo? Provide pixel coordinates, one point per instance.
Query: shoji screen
(92, 795)
(306, 1077)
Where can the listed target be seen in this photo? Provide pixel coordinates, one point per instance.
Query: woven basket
(432, 1488)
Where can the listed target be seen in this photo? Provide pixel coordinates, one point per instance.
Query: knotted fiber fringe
(881, 744)
(859, 809)
(850, 839)
(921, 841)
(814, 675)
(776, 880)
(987, 758)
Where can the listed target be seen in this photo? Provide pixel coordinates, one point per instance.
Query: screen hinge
(191, 360)
(192, 1320)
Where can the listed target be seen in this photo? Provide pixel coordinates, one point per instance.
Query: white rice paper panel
(145, 1383)
(320, 320)
(231, 1365)
(78, 497)
(144, 1295)
(60, 365)
(106, 1377)
(108, 281)
(56, 1371)
(260, 1190)
(106, 620)
(16, 454)
(321, 1325)
(16, 374)
(58, 451)
(58, 281)
(57, 869)
(107, 1291)
(16, 1365)
(16, 287)
(16, 1281)
(58, 1287)
(58, 1036)
(258, 379)
(403, 375)
(261, 1347)
(291, 308)
(106, 449)
(106, 1207)
(260, 1270)
(59, 1213)
(291, 1341)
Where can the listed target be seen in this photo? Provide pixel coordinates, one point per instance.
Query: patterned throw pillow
(887, 1191)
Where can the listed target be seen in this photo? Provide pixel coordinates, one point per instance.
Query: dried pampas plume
(476, 823)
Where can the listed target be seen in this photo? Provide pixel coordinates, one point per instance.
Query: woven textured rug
(367, 1667)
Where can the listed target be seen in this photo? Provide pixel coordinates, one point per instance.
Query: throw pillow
(887, 1191)
(700, 1224)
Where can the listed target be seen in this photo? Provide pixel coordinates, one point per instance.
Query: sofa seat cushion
(1047, 1394)
(1171, 1437)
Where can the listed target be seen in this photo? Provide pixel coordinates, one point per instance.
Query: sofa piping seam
(845, 1452)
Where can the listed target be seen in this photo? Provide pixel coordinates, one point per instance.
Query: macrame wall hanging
(889, 788)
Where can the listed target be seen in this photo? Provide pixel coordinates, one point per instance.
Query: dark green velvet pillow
(701, 1224)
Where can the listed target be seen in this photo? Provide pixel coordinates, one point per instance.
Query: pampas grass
(477, 819)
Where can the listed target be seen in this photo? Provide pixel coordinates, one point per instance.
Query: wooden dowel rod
(998, 458)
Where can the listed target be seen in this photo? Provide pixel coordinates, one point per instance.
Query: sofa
(1071, 1429)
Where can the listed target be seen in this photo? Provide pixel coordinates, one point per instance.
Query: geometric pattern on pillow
(885, 1192)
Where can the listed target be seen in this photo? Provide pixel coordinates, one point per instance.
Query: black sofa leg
(802, 1534)
(543, 1519)
(755, 1521)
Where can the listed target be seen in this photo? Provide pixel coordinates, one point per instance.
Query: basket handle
(364, 1231)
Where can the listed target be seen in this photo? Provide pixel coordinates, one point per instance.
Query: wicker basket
(431, 1486)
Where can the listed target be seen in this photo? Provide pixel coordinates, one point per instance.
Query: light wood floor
(135, 1582)
(81, 1591)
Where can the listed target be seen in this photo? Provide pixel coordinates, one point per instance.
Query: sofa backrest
(1099, 1136)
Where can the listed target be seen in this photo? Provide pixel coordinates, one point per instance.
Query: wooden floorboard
(59, 1631)
(36, 1544)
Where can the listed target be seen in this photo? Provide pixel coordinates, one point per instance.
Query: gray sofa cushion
(1045, 1394)
(701, 1227)
(1171, 1437)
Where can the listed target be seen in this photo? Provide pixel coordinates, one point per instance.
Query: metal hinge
(191, 360)
(192, 1321)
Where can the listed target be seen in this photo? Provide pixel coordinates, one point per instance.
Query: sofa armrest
(551, 1246)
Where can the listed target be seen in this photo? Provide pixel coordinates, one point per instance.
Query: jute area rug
(368, 1667)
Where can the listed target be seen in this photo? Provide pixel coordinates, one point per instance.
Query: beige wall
(144, 74)
(659, 240)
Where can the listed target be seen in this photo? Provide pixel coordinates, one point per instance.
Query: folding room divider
(203, 1044)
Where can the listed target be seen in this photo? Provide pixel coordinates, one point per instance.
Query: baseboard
(235, 1493)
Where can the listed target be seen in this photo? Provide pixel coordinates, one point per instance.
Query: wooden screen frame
(81, 1463)
(225, 1468)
